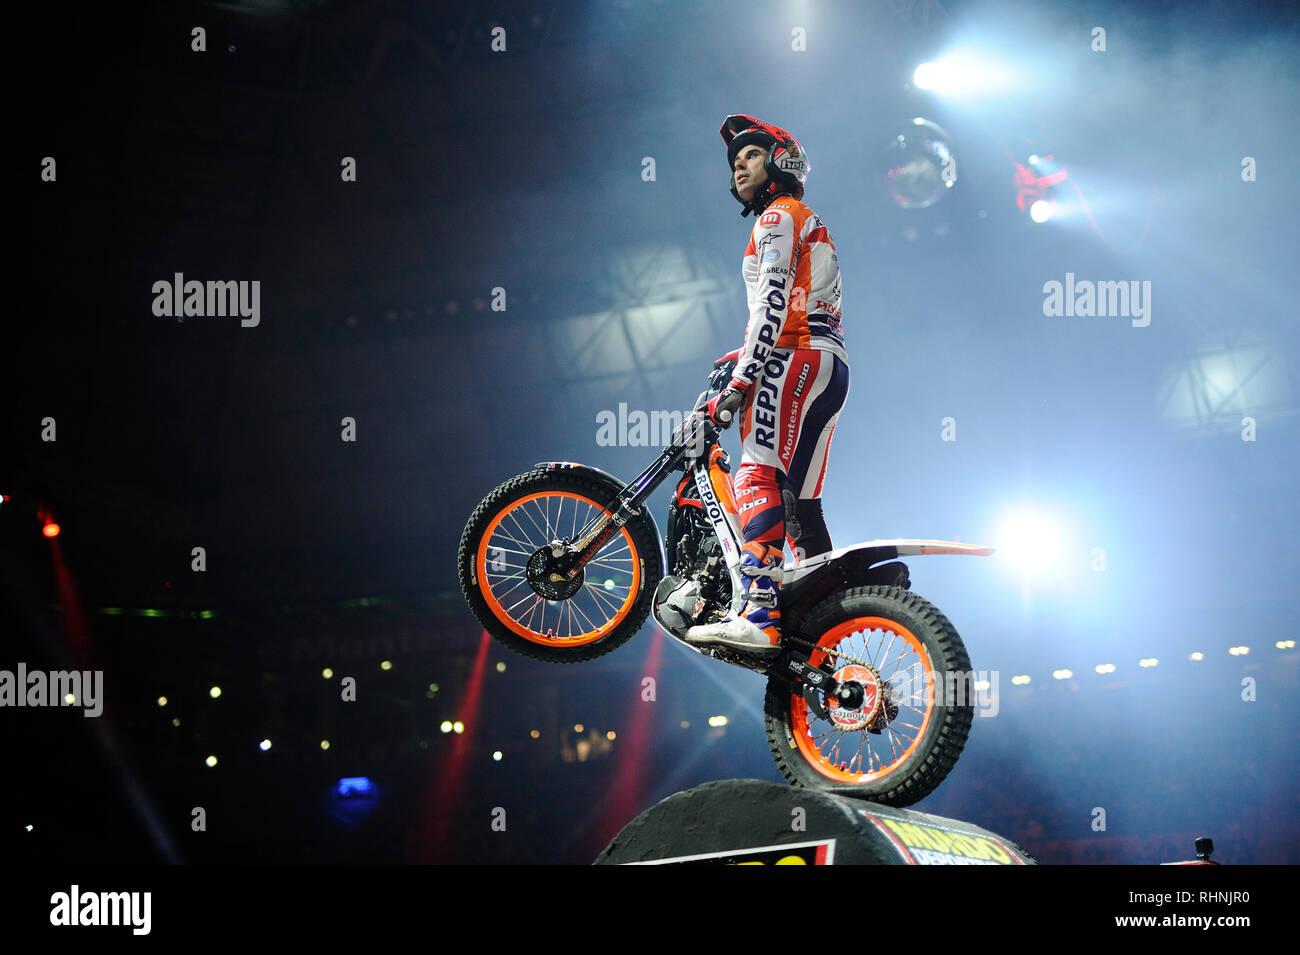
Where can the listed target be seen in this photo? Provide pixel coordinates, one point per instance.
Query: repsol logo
(765, 409)
(767, 331)
(709, 500)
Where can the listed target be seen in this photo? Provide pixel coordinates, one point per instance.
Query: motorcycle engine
(699, 584)
(678, 604)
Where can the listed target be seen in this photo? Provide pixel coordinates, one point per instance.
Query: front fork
(568, 560)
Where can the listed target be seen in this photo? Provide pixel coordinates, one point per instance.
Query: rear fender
(874, 552)
(806, 582)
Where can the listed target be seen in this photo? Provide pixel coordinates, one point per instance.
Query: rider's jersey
(792, 280)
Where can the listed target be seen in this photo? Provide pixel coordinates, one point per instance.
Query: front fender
(615, 485)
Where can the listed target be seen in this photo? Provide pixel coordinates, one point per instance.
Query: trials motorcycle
(870, 694)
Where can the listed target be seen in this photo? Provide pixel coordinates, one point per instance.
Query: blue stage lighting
(355, 786)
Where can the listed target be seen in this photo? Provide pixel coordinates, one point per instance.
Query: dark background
(523, 170)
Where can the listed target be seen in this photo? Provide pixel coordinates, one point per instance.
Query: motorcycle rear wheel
(506, 544)
(901, 649)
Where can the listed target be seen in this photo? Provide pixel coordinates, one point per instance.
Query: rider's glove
(723, 406)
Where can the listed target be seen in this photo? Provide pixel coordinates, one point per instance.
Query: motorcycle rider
(790, 381)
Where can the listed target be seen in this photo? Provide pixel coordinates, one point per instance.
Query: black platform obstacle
(751, 822)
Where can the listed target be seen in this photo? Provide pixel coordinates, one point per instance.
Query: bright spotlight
(964, 72)
(1042, 210)
(1030, 541)
(927, 76)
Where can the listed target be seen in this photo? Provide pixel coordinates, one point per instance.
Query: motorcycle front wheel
(906, 723)
(506, 574)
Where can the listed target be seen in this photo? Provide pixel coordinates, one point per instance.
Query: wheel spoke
(512, 588)
(602, 599)
(528, 514)
(586, 620)
(527, 542)
(901, 671)
(608, 563)
(532, 608)
(526, 547)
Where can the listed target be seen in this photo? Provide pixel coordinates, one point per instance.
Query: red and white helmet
(787, 164)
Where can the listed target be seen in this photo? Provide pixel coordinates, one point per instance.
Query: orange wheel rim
(858, 756)
(530, 523)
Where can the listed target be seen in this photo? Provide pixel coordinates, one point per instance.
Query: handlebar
(719, 378)
(721, 374)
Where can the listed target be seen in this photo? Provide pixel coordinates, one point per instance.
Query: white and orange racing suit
(798, 371)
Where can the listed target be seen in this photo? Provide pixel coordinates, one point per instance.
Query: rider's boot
(757, 627)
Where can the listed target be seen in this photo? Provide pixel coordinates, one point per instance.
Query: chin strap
(756, 205)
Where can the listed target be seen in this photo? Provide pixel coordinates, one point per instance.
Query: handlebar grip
(724, 416)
